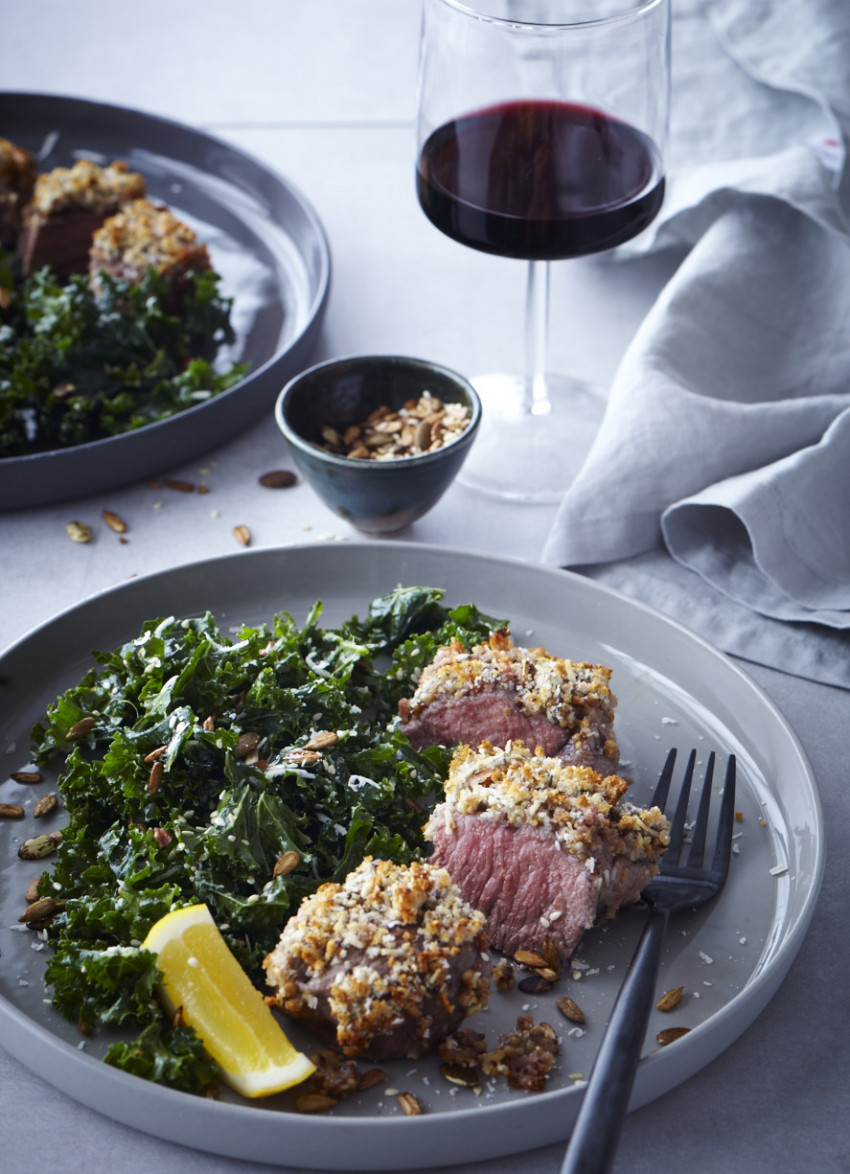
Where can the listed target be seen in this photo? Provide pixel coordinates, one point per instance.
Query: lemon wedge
(201, 975)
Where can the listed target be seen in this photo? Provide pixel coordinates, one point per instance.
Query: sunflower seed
(457, 1074)
(80, 729)
(41, 909)
(529, 958)
(162, 837)
(313, 1102)
(321, 740)
(155, 777)
(408, 1104)
(246, 743)
(114, 522)
(285, 863)
(26, 776)
(570, 1009)
(45, 805)
(671, 999)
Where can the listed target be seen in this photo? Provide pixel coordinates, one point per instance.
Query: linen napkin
(726, 442)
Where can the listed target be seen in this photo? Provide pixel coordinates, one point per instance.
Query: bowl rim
(298, 442)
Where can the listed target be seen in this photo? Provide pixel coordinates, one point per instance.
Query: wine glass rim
(478, 10)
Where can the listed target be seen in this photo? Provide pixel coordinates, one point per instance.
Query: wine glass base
(525, 456)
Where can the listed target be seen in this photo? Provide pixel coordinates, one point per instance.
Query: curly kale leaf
(79, 364)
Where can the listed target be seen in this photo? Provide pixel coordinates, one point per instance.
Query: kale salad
(78, 365)
(192, 762)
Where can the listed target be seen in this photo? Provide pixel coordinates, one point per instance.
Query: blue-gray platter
(265, 241)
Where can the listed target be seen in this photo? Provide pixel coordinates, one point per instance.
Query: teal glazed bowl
(374, 496)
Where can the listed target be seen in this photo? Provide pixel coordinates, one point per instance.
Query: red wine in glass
(540, 180)
(541, 135)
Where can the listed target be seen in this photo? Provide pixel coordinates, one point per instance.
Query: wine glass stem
(535, 393)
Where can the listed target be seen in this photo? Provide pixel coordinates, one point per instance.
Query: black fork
(677, 886)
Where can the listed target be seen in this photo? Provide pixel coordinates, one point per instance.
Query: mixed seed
(420, 426)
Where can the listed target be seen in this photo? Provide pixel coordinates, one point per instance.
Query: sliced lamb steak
(499, 692)
(387, 964)
(542, 848)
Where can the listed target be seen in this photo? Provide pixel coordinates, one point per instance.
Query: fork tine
(677, 827)
(662, 788)
(726, 820)
(697, 852)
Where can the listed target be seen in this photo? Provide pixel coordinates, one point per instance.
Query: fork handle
(594, 1139)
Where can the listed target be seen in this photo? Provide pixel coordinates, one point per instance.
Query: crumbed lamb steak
(542, 848)
(146, 236)
(384, 965)
(68, 205)
(18, 171)
(499, 692)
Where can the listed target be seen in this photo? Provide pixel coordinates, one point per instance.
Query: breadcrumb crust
(403, 927)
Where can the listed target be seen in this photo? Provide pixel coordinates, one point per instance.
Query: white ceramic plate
(673, 689)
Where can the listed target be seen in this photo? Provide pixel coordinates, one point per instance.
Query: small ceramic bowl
(375, 496)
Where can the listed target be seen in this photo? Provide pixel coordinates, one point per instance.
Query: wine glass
(541, 135)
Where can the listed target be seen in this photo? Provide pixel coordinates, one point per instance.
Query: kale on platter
(78, 365)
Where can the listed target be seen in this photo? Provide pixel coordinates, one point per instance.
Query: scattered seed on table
(114, 522)
(78, 532)
(278, 479)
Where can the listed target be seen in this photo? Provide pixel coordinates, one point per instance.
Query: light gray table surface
(324, 92)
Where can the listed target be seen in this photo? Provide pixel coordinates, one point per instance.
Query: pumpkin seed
(78, 532)
(279, 478)
(670, 1034)
(37, 847)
